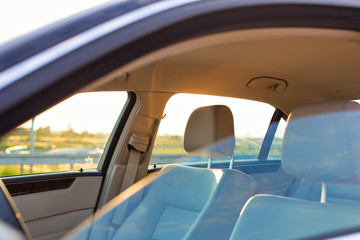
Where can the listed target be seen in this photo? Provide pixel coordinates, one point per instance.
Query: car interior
(310, 77)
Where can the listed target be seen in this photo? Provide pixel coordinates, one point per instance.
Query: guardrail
(32, 159)
(52, 159)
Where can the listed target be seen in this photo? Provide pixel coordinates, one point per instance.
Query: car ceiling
(317, 64)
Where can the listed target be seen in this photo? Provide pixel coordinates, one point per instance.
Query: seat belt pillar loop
(139, 141)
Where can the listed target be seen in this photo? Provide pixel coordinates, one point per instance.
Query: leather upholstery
(189, 203)
(321, 143)
(336, 193)
(210, 132)
(186, 202)
(324, 146)
(276, 217)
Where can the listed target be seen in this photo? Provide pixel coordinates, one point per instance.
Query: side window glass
(69, 136)
(251, 120)
(275, 149)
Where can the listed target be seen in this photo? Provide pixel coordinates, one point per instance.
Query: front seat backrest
(321, 144)
(194, 203)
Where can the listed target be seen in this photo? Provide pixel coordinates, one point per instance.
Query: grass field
(174, 144)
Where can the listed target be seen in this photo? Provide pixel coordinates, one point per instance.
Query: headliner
(317, 64)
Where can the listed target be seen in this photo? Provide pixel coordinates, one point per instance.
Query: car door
(54, 173)
(54, 192)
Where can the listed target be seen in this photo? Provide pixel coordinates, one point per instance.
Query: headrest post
(323, 192)
(231, 162)
(209, 163)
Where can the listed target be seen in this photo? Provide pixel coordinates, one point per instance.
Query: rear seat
(336, 193)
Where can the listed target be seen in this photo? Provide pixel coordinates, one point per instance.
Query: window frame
(112, 142)
(270, 134)
(48, 181)
(263, 154)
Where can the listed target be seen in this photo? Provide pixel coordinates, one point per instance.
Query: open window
(70, 136)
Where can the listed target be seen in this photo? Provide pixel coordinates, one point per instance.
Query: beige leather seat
(321, 144)
(187, 202)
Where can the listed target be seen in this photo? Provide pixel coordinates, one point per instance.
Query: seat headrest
(210, 132)
(322, 142)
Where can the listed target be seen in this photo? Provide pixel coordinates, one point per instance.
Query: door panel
(55, 174)
(53, 213)
(56, 226)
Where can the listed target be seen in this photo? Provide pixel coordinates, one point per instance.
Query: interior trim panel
(21, 188)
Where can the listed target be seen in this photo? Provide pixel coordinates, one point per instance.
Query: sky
(83, 112)
(19, 17)
(98, 112)
(251, 118)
